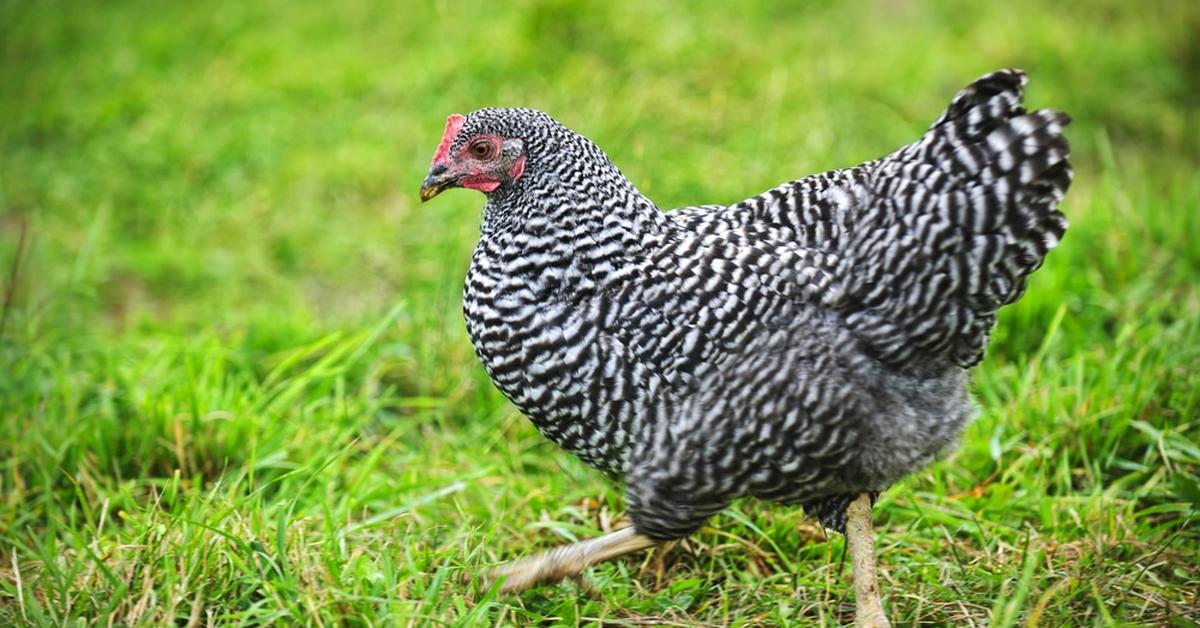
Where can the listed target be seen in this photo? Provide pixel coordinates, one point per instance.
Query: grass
(235, 385)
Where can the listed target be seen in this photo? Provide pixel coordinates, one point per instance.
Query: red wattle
(482, 184)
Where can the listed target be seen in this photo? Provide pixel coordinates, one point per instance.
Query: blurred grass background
(235, 385)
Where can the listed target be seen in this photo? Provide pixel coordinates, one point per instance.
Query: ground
(235, 385)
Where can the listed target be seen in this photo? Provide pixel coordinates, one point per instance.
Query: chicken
(809, 345)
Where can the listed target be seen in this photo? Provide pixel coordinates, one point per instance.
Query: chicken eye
(481, 149)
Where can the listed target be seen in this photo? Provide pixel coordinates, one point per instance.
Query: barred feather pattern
(802, 346)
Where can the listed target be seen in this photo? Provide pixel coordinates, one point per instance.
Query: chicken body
(804, 346)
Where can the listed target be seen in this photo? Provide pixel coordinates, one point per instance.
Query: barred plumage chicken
(809, 345)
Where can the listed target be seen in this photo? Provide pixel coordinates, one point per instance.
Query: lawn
(235, 386)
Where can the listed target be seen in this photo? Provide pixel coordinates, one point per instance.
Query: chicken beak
(436, 181)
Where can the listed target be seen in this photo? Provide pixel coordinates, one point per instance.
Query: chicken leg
(568, 561)
(868, 607)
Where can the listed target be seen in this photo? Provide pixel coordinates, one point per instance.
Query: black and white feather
(804, 345)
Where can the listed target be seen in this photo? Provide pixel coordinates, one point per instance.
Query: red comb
(453, 125)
